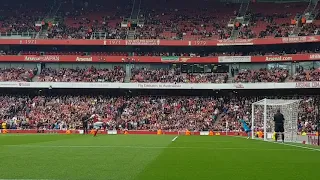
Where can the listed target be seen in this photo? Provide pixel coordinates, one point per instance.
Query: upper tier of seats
(162, 19)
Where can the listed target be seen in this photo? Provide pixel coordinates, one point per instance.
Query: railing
(20, 34)
(99, 35)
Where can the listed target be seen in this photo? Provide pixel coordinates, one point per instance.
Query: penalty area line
(297, 146)
(285, 144)
(175, 138)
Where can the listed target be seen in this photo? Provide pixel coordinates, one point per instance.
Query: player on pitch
(85, 120)
(245, 127)
(97, 123)
(279, 125)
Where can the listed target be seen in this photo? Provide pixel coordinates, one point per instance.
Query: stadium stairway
(240, 18)
(135, 10)
(131, 34)
(127, 79)
(43, 34)
(230, 79)
(234, 34)
(218, 119)
(35, 78)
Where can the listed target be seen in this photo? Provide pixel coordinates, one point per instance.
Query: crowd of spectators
(158, 75)
(240, 107)
(156, 21)
(17, 74)
(117, 74)
(174, 75)
(301, 74)
(310, 30)
(20, 23)
(262, 75)
(171, 113)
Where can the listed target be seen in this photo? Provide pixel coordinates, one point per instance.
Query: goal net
(263, 112)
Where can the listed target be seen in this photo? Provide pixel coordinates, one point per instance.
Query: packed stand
(17, 74)
(22, 23)
(10, 105)
(21, 17)
(310, 29)
(59, 112)
(174, 75)
(261, 75)
(82, 75)
(271, 20)
(240, 108)
(141, 112)
(306, 75)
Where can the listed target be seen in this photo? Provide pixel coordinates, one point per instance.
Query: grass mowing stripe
(174, 138)
(160, 147)
(79, 163)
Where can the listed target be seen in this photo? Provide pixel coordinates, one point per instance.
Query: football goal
(263, 112)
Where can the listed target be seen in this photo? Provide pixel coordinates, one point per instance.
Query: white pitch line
(286, 144)
(297, 146)
(27, 179)
(156, 147)
(174, 138)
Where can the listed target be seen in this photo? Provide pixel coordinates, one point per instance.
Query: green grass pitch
(152, 157)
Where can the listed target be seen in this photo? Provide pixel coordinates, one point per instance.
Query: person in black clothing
(279, 125)
(85, 120)
(39, 126)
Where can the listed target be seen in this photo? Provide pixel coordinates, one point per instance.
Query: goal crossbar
(275, 102)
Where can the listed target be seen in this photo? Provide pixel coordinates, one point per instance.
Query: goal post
(263, 112)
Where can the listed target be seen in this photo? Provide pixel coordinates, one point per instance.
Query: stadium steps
(131, 34)
(218, 119)
(127, 79)
(230, 79)
(35, 78)
(135, 9)
(43, 34)
(240, 18)
(296, 30)
(243, 8)
(234, 34)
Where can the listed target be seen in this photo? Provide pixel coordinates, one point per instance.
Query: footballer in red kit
(97, 123)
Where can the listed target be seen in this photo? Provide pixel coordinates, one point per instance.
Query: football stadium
(159, 89)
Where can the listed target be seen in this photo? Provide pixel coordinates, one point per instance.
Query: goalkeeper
(279, 125)
(245, 127)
